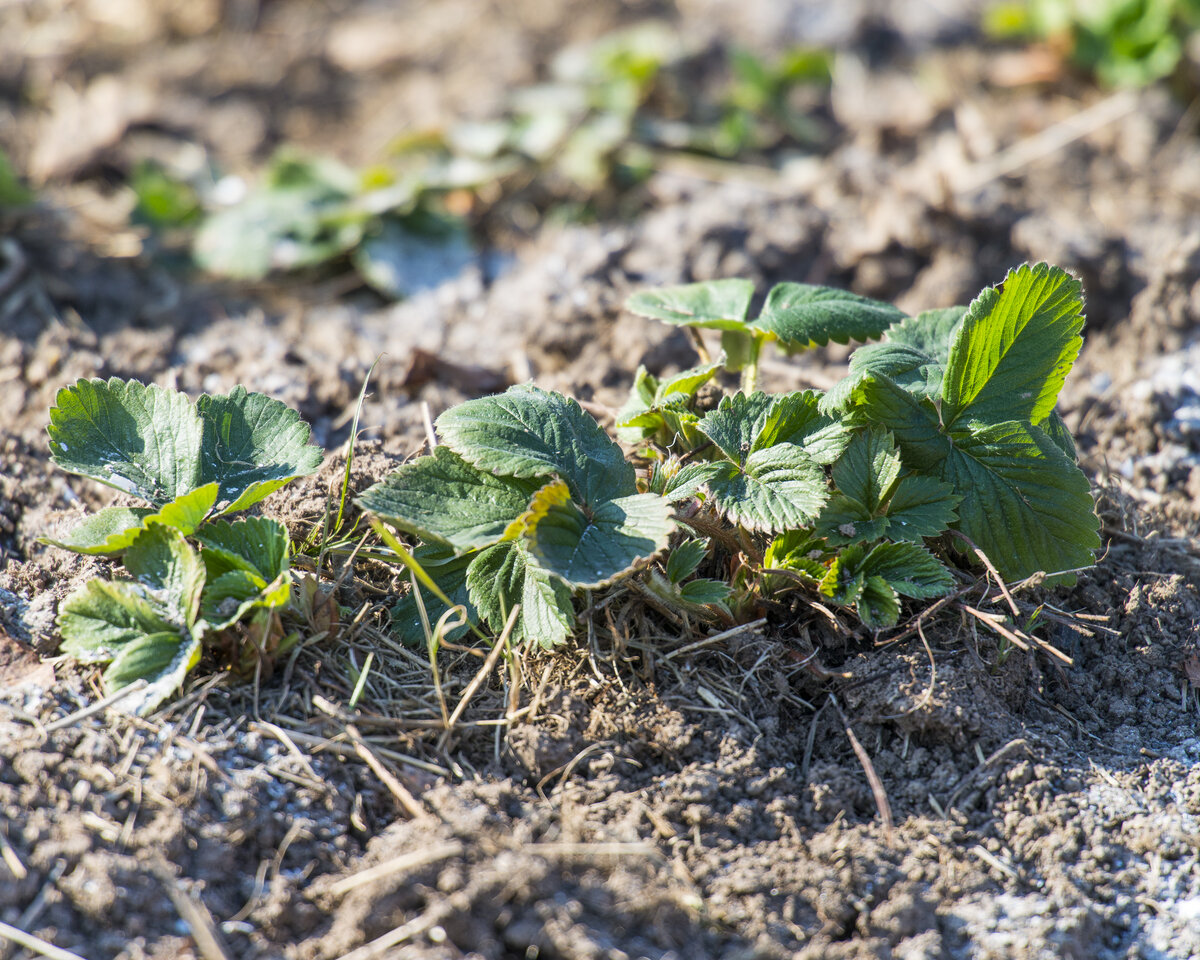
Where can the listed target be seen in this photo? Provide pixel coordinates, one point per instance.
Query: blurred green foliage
(1124, 43)
(13, 193)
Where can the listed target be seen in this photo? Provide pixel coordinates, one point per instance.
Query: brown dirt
(705, 804)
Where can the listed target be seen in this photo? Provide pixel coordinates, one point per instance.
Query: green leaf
(796, 418)
(449, 572)
(909, 569)
(252, 446)
(913, 357)
(144, 625)
(1014, 348)
(233, 594)
(879, 605)
(775, 489)
(737, 423)
(1030, 508)
(846, 520)
(686, 482)
(110, 531)
(800, 551)
(930, 332)
(527, 432)
(803, 315)
(591, 547)
(504, 575)
(254, 545)
(868, 468)
(442, 498)
(685, 558)
(685, 383)
(162, 560)
(105, 533)
(399, 261)
(163, 659)
(912, 419)
(845, 580)
(921, 506)
(100, 618)
(717, 304)
(1057, 431)
(143, 440)
(705, 591)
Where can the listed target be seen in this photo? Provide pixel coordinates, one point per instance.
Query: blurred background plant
(1122, 43)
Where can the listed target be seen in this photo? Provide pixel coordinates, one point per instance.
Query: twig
(35, 944)
(969, 780)
(400, 864)
(398, 790)
(881, 800)
(195, 914)
(98, 707)
(430, 433)
(715, 638)
(1012, 604)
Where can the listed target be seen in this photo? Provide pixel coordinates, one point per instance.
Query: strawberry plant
(196, 579)
(948, 425)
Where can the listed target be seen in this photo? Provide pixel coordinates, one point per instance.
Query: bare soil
(640, 793)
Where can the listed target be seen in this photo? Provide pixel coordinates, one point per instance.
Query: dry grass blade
(489, 664)
(400, 864)
(98, 707)
(35, 945)
(881, 800)
(991, 568)
(1017, 637)
(193, 913)
(403, 796)
(715, 638)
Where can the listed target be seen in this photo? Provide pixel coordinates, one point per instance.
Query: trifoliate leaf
(591, 547)
(685, 558)
(801, 314)
(704, 591)
(1014, 348)
(527, 432)
(252, 446)
(774, 489)
(255, 545)
(1029, 507)
(718, 304)
(504, 575)
(449, 572)
(113, 529)
(879, 605)
(143, 440)
(442, 498)
(143, 625)
(795, 418)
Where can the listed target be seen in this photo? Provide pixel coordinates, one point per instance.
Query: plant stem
(750, 370)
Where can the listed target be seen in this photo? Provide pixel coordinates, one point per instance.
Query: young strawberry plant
(197, 580)
(947, 427)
